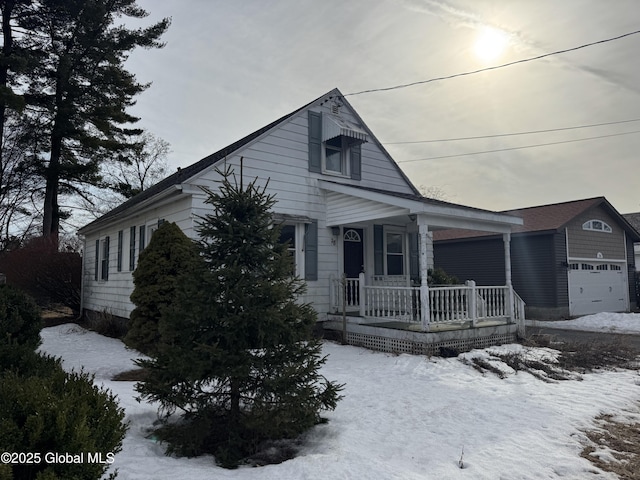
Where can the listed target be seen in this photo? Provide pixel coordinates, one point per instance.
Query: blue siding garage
(567, 259)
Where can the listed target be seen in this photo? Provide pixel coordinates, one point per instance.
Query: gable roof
(183, 174)
(545, 218)
(633, 219)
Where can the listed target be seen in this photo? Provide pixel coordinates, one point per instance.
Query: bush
(50, 410)
(20, 319)
(437, 276)
(45, 409)
(169, 255)
(105, 323)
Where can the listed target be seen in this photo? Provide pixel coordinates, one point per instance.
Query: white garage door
(597, 287)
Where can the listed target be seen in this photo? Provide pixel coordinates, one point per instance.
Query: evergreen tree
(238, 359)
(169, 255)
(65, 60)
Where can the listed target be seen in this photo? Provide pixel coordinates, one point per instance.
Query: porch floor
(440, 327)
(355, 318)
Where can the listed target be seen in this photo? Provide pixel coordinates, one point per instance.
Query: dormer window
(335, 145)
(336, 154)
(596, 226)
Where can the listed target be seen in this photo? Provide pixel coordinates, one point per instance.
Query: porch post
(361, 294)
(506, 238)
(423, 233)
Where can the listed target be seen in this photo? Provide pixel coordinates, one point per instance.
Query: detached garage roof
(545, 218)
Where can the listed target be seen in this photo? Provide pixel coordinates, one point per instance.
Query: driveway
(557, 334)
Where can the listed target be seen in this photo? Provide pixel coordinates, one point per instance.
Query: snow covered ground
(402, 417)
(600, 322)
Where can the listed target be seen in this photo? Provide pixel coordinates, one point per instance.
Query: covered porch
(392, 302)
(385, 252)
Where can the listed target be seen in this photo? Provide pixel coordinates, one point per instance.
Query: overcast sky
(233, 66)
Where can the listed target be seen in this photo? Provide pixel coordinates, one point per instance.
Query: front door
(353, 252)
(353, 262)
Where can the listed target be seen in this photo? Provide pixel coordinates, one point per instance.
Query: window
(336, 153)
(288, 236)
(141, 239)
(132, 249)
(574, 266)
(596, 226)
(120, 240)
(104, 262)
(302, 244)
(586, 266)
(352, 236)
(395, 253)
(602, 267)
(615, 267)
(335, 145)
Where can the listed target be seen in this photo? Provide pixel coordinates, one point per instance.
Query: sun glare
(490, 44)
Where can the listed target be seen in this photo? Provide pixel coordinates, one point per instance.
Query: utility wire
(516, 148)
(513, 134)
(397, 87)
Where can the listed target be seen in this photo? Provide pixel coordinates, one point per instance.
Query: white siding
(281, 157)
(112, 295)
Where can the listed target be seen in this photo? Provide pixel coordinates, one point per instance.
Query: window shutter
(106, 255)
(414, 257)
(311, 251)
(378, 250)
(120, 240)
(97, 262)
(356, 162)
(315, 142)
(132, 248)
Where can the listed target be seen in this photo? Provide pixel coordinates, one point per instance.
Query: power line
(513, 134)
(516, 148)
(420, 82)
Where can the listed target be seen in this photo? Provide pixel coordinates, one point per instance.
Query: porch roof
(356, 203)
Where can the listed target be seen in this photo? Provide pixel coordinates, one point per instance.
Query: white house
(350, 212)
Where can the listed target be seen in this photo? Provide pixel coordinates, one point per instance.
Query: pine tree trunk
(7, 48)
(234, 413)
(51, 214)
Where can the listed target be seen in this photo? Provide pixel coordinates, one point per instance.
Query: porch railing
(345, 292)
(447, 304)
(398, 303)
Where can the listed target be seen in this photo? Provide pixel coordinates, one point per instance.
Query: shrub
(49, 410)
(20, 319)
(437, 276)
(105, 323)
(169, 255)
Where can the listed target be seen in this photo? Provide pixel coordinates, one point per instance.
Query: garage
(597, 287)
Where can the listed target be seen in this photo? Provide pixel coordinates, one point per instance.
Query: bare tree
(145, 165)
(142, 166)
(19, 187)
(434, 192)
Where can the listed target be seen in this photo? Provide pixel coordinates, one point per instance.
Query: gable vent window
(335, 145)
(596, 226)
